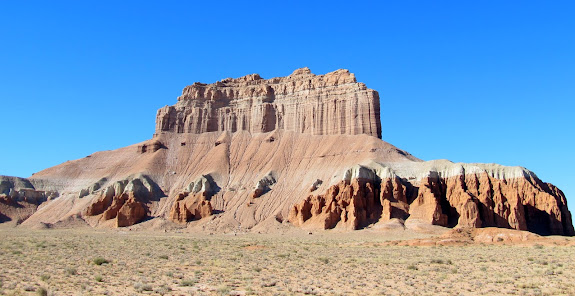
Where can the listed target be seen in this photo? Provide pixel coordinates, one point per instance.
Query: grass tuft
(71, 271)
(188, 283)
(324, 260)
(41, 291)
(100, 261)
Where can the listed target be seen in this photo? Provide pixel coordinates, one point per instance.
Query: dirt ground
(119, 262)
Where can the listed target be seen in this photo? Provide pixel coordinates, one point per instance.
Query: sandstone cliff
(443, 193)
(330, 104)
(301, 150)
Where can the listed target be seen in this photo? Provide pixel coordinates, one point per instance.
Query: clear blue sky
(469, 81)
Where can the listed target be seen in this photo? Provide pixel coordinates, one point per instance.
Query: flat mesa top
(330, 104)
(300, 79)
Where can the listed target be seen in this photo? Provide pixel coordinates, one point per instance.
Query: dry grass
(66, 262)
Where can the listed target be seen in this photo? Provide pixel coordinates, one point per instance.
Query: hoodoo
(254, 153)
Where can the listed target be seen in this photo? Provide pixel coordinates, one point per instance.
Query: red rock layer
(12, 210)
(352, 205)
(472, 200)
(125, 208)
(189, 207)
(334, 103)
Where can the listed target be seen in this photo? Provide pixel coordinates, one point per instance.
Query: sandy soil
(72, 262)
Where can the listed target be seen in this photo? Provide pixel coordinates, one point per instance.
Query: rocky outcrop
(124, 200)
(189, 207)
(8, 184)
(315, 185)
(151, 147)
(349, 205)
(131, 210)
(427, 204)
(483, 200)
(353, 203)
(330, 104)
(19, 199)
(125, 208)
(393, 198)
(451, 198)
(194, 203)
(264, 185)
(92, 188)
(14, 189)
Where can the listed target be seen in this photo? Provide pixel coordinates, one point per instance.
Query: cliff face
(330, 104)
(480, 198)
(253, 153)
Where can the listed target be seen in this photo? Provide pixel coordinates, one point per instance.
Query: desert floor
(73, 262)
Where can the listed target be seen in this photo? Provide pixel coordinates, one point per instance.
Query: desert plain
(400, 261)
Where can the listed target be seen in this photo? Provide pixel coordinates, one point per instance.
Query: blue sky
(469, 81)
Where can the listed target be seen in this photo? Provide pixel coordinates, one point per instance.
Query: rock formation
(331, 104)
(462, 195)
(304, 150)
(19, 199)
(194, 204)
(189, 207)
(124, 200)
(264, 185)
(349, 204)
